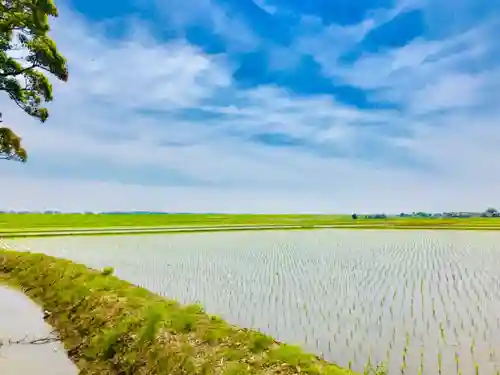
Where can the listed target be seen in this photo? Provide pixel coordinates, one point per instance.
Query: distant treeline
(100, 213)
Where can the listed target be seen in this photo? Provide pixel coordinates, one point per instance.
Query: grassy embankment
(11, 224)
(109, 326)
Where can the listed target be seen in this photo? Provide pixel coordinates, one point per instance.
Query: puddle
(22, 320)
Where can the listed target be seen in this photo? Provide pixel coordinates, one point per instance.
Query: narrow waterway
(21, 322)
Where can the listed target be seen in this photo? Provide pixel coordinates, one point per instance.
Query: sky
(266, 106)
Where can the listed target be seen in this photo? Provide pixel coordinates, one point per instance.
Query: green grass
(14, 223)
(110, 326)
(33, 221)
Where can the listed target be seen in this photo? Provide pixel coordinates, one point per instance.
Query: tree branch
(3, 75)
(37, 341)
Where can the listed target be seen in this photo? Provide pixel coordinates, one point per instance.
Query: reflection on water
(427, 300)
(21, 318)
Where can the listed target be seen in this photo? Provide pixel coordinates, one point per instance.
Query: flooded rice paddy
(425, 302)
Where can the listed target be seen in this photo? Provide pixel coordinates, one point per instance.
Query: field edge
(63, 232)
(109, 326)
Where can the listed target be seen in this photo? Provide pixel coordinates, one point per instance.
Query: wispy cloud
(155, 122)
(217, 19)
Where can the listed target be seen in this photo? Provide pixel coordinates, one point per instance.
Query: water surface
(21, 320)
(410, 298)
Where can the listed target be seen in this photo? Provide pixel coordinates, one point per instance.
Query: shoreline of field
(109, 326)
(131, 230)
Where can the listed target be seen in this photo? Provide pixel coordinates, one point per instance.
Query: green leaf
(24, 25)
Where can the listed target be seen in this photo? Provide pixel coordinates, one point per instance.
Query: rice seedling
(441, 331)
(421, 365)
(369, 362)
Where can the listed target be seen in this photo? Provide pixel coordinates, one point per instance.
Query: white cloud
(220, 20)
(123, 107)
(448, 92)
(350, 192)
(445, 87)
(328, 43)
(136, 73)
(265, 6)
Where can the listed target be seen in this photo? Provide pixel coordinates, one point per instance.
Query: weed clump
(107, 271)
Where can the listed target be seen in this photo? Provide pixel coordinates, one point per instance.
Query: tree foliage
(26, 54)
(10, 146)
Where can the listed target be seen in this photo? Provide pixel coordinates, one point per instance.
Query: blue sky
(267, 106)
